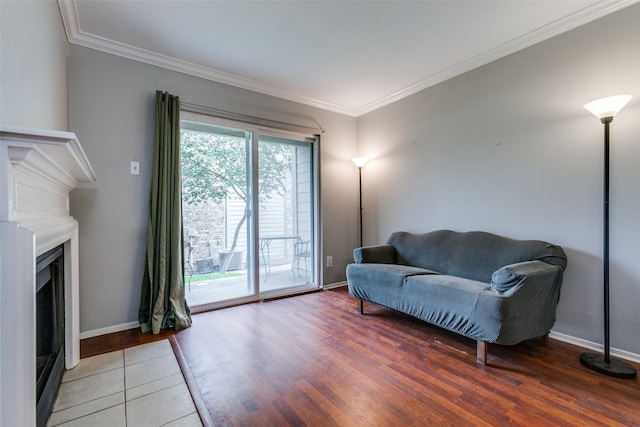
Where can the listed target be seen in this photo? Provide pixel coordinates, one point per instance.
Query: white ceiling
(345, 56)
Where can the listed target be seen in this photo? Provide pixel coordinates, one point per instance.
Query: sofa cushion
(386, 274)
(380, 282)
(443, 300)
(473, 255)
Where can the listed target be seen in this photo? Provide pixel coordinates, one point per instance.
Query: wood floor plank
(314, 360)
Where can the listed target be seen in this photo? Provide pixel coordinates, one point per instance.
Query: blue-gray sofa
(486, 287)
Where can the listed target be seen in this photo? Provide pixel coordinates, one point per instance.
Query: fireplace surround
(38, 169)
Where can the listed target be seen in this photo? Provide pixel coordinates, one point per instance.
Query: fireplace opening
(49, 330)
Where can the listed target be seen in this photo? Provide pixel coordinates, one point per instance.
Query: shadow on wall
(82, 199)
(584, 308)
(578, 305)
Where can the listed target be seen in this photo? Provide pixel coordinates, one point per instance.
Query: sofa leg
(481, 352)
(544, 340)
(361, 306)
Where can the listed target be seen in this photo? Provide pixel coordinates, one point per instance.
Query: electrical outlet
(329, 261)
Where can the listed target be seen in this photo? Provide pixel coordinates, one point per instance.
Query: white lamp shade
(359, 161)
(607, 107)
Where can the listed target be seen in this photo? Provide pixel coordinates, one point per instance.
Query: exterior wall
(303, 194)
(204, 229)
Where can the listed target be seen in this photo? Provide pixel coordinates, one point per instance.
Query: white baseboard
(109, 330)
(622, 354)
(334, 285)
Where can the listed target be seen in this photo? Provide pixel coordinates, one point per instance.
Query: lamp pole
(605, 244)
(359, 162)
(360, 194)
(605, 109)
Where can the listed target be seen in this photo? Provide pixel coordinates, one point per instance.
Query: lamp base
(615, 368)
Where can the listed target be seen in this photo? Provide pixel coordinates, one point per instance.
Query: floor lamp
(605, 109)
(359, 162)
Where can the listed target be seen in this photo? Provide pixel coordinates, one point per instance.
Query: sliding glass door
(249, 212)
(286, 220)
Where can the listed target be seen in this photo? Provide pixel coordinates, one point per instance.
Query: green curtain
(162, 301)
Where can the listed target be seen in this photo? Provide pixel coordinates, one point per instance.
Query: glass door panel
(286, 229)
(216, 225)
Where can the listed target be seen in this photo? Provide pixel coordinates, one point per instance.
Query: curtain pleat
(162, 301)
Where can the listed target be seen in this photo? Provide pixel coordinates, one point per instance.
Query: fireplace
(39, 271)
(49, 330)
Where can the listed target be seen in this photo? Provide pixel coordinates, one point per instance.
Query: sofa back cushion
(473, 255)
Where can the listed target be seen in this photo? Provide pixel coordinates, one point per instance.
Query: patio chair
(301, 257)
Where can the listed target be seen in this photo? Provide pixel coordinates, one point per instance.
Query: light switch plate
(135, 168)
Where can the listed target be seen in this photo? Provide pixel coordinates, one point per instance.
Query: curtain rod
(245, 118)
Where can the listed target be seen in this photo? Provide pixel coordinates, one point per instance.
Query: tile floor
(137, 387)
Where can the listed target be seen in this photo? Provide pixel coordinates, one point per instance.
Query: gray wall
(33, 65)
(111, 109)
(508, 148)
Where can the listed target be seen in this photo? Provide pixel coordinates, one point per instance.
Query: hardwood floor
(118, 340)
(314, 360)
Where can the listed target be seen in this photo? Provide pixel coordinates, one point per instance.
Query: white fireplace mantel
(38, 169)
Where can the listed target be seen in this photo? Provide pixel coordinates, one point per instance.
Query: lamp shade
(607, 107)
(359, 161)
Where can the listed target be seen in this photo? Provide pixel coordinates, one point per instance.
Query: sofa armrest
(510, 277)
(530, 292)
(381, 254)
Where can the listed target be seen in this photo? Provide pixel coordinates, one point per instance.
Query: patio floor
(208, 291)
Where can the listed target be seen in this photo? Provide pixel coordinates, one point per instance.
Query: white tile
(192, 420)
(152, 387)
(86, 389)
(112, 417)
(87, 408)
(95, 365)
(147, 351)
(161, 407)
(151, 370)
(92, 394)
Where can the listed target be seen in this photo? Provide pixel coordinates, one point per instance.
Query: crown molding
(584, 16)
(75, 35)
